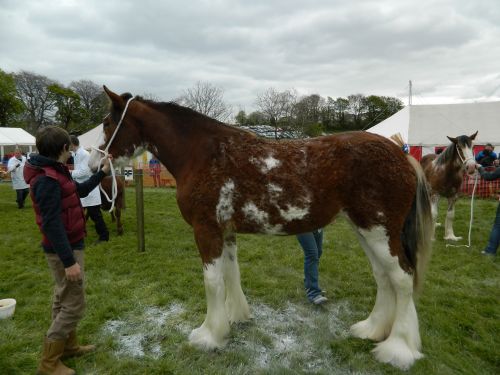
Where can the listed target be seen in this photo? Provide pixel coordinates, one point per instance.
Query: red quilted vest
(72, 214)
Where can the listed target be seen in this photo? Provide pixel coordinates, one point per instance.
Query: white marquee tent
(12, 137)
(425, 127)
(90, 138)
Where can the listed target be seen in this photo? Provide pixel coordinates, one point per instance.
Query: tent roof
(15, 136)
(428, 125)
(90, 138)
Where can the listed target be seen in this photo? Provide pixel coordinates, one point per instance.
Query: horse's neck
(172, 144)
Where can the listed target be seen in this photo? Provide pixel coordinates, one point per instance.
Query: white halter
(462, 159)
(114, 187)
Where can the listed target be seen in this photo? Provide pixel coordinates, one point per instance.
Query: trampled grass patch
(142, 306)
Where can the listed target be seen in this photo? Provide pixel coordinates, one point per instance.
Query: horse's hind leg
(119, 225)
(236, 303)
(402, 346)
(211, 334)
(448, 225)
(379, 323)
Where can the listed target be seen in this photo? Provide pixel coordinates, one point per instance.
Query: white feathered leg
(379, 323)
(448, 225)
(212, 333)
(236, 304)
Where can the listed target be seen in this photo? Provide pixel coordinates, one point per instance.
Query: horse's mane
(447, 155)
(177, 110)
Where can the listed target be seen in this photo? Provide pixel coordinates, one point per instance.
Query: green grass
(142, 306)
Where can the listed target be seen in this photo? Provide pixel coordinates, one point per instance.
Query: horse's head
(120, 136)
(463, 147)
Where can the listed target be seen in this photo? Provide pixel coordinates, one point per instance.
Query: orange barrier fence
(484, 189)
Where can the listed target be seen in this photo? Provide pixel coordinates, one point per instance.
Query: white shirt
(16, 167)
(81, 173)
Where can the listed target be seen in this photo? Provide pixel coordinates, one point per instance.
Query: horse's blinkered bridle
(114, 187)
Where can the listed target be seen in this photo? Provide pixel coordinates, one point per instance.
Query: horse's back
(427, 160)
(300, 185)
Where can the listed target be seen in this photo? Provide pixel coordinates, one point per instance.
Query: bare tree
(357, 107)
(33, 90)
(276, 105)
(93, 101)
(207, 99)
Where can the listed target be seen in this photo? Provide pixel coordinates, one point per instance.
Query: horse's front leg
(434, 212)
(448, 225)
(236, 303)
(212, 333)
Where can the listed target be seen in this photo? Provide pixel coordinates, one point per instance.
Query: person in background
(155, 170)
(494, 240)
(91, 202)
(15, 167)
(486, 157)
(59, 215)
(312, 245)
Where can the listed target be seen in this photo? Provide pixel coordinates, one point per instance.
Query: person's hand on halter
(106, 167)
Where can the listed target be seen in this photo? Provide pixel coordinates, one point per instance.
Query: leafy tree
(93, 102)
(68, 106)
(308, 111)
(10, 105)
(241, 118)
(33, 91)
(257, 118)
(207, 99)
(340, 107)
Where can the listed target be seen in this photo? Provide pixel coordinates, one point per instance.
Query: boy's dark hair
(74, 140)
(50, 141)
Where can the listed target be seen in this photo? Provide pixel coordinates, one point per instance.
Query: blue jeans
(312, 245)
(494, 235)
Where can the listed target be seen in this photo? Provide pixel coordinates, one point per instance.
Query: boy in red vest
(59, 214)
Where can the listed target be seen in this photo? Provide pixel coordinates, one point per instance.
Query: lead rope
(114, 186)
(471, 202)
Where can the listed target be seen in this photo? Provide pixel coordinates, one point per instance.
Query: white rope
(114, 186)
(471, 214)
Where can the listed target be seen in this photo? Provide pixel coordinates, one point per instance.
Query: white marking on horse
(253, 213)
(266, 164)
(225, 209)
(293, 212)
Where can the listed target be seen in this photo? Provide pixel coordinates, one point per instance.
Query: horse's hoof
(204, 339)
(366, 330)
(452, 238)
(397, 353)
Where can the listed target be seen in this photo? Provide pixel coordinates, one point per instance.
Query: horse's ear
(454, 140)
(473, 136)
(116, 99)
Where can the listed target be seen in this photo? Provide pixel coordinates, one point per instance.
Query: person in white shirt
(16, 166)
(91, 202)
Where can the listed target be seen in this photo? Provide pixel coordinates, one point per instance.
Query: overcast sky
(450, 49)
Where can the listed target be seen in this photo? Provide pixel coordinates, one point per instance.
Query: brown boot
(51, 363)
(72, 349)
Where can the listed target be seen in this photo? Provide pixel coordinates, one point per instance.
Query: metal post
(139, 208)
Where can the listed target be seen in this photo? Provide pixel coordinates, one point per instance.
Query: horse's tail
(418, 227)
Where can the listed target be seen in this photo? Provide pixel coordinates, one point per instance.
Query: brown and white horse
(445, 173)
(229, 181)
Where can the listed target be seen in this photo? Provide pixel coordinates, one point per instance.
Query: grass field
(142, 306)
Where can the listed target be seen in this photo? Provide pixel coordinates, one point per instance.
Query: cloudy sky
(450, 49)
